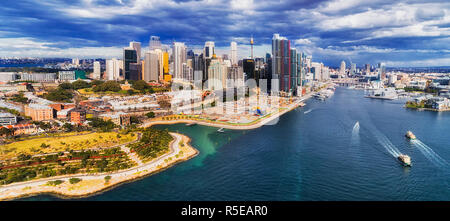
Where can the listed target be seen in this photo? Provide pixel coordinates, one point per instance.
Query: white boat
(221, 130)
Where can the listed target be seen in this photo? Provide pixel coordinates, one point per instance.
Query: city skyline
(408, 33)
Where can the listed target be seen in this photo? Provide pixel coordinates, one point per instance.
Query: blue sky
(400, 33)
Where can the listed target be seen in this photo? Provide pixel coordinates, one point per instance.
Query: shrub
(74, 180)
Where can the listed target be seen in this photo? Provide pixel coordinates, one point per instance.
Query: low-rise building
(118, 118)
(77, 115)
(39, 112)
(20, 129)
(7, 119)
(38, 77)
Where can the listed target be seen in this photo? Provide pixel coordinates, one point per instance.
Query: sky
(399, 33)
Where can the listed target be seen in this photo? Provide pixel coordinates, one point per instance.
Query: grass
(59, 143)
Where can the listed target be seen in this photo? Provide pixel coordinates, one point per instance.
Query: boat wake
(429, 153)
(355, 134)
(383, 140)
(306, 112)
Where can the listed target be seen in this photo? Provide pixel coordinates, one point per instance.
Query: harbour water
(320, 155)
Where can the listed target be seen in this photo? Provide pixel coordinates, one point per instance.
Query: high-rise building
(367, 69)
(97, 70)
(233, 53)
(208, 51)
(166, 62)
(151, 66)
(316, 70)
(129, 57)
(353, 69)
(342, 68)
(251, 44)
(249, 69)
(179, 57)
(188, 72)
(75, 61)
(154, 43)
(217, 74)
(137, 47)
(381, 70)
(135, 71)
(281, 63)
(113, 69)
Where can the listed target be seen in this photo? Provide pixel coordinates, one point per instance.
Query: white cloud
(303, 41)
(29, 47)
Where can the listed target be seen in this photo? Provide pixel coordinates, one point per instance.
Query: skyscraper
(217, 74)
(137, 47)
(342, 69)
(97, 70)
(208, 51)
(233, 53)
(251, 44)
(281, 68)
(154, 43)
(113, 69)
(353, 69)
(249, 69)
(151, 66)
(166, 62)
(179, 57)
(129, 56)
(367, 69)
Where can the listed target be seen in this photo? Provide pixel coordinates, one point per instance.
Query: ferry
(405, 160)
(410, 135)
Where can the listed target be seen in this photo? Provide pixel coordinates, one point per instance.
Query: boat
(220, 130)
(405, 160)
(410, 135)
(191, 124)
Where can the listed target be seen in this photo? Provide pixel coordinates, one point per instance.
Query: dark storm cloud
(335, 30)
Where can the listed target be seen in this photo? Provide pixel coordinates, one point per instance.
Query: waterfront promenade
(266, 119)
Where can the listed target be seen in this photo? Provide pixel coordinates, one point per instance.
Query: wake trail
(429, 153)
(383, 140)
(355, 134)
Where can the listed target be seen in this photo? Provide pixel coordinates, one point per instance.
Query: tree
(140, 85)
(107, 179)
(134, 120)
(150, 114)
(68, 127)
(65, 86)
(19, 98)
(102, 124)
(59, 95)
(107, 86)
(74, 180)
(80, 84)
(4, 131)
